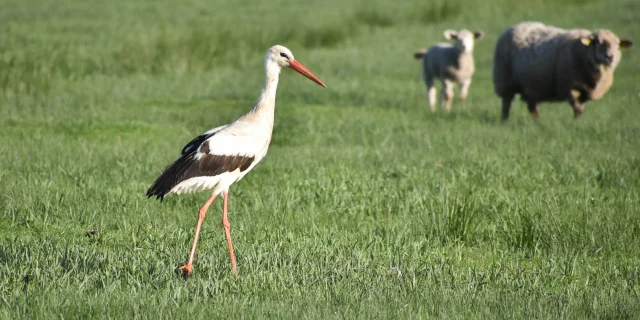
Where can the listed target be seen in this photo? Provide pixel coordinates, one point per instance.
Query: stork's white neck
(264, 109)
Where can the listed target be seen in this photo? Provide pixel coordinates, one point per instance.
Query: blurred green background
(367, 206)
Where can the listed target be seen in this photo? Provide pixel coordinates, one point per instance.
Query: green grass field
(367, 206)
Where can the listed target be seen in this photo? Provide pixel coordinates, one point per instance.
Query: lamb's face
(464, 39)
(605, 47)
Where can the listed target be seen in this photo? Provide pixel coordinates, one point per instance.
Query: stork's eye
(284, 55)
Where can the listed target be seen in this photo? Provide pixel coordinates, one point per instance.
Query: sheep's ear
(587, 40)
(478, 35)
(450, 34)
(626, 43)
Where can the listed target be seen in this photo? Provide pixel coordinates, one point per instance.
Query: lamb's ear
(450, 34)
(626, 43)
(587, 40)
(478, 35)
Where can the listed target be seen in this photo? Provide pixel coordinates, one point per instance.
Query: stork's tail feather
(173, 174)
(420, 53)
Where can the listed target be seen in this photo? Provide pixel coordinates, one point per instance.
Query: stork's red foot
(186, 269)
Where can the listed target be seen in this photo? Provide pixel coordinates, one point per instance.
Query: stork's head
(282, 57)
(463, 39)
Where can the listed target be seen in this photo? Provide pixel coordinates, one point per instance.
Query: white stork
(221, 156)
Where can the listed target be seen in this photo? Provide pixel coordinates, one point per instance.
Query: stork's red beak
(297, 66)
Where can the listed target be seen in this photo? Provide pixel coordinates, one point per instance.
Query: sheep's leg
(578, 108)
(431, 93)
(577, 103)
(464, 89)
(506, 106)
(533, 109)
(447, 94)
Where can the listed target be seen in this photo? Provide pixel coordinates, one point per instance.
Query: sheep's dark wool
(544, 63)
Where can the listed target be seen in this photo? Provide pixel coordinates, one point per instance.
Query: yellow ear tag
(586, 41)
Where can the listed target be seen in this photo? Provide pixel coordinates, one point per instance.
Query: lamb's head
(463, 39)
(604, 47)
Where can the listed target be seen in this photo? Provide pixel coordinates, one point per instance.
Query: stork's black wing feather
(172, 175)
(196, 142)
(179, 170)
(189, 166)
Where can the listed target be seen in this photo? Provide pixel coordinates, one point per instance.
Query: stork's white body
(246, 138)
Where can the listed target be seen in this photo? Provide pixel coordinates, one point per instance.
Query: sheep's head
(463, 39)
(604, 47)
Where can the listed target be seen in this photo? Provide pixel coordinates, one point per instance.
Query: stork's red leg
(203, 211)
(227, 231)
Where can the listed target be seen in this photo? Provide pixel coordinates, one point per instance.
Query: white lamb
(451, 64)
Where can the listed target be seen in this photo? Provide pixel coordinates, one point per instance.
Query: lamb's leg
(431, 93)
(447, 94)
(506, 106)
(464, 89)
